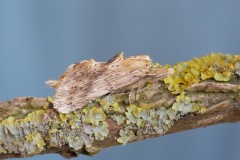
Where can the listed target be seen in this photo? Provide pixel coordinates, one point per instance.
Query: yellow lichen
(9, 121)
(35, 116)
(45, 106)
(216, 66)
(50, 99)
(203, 110)
(63, 117)
(104, 104)
(2, 150)
(72, 123)
(93, 115)
(53, 130)
(196, 107)
(116, 107)
(137, 111)
(36, 139)
(149, 84)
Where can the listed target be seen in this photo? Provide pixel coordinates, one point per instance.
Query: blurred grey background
(40, 38)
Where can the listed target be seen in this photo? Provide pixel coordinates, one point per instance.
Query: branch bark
(31, 126)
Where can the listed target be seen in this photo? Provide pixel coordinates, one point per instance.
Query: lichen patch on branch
(151, 100)
(219, 67)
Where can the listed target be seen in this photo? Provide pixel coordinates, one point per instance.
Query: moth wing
(88, 80)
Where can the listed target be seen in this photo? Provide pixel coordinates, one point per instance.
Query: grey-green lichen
(125, 135)
(23, 135)
(183, 105)
(141, 120)
(120, 119)
(99, 132)
(147, 121)
(43, 127)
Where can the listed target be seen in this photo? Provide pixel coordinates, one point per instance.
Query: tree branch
(199, 93)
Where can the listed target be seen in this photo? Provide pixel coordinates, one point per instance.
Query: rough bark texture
(31, 126)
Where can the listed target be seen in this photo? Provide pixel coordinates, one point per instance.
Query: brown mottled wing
(88, 80)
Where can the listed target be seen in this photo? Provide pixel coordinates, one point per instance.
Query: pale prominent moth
(88, 80)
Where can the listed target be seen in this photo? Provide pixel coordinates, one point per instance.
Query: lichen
(8, 121)
(109, 104)
(99, 132)
(146, 121)
(34, 143)
(215, 66)
(35, 116)
(94, 115)
(92, 150)
(25, 135)
(120, 119)
(183, 105)
(52, 138)
(130, 117)
(143, 121)
(105, 105)
(44, 127)
(50, 99)
(149, 84)
(125, 136)
(30, 134)
(202, 110)
(116, 107)
(2, 150)
(63, 117)
(75, 142)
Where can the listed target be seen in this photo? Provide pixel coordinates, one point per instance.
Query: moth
(88, 80)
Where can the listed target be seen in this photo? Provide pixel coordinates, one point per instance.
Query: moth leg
(136, 95)
(129, 97)
(133, 96)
